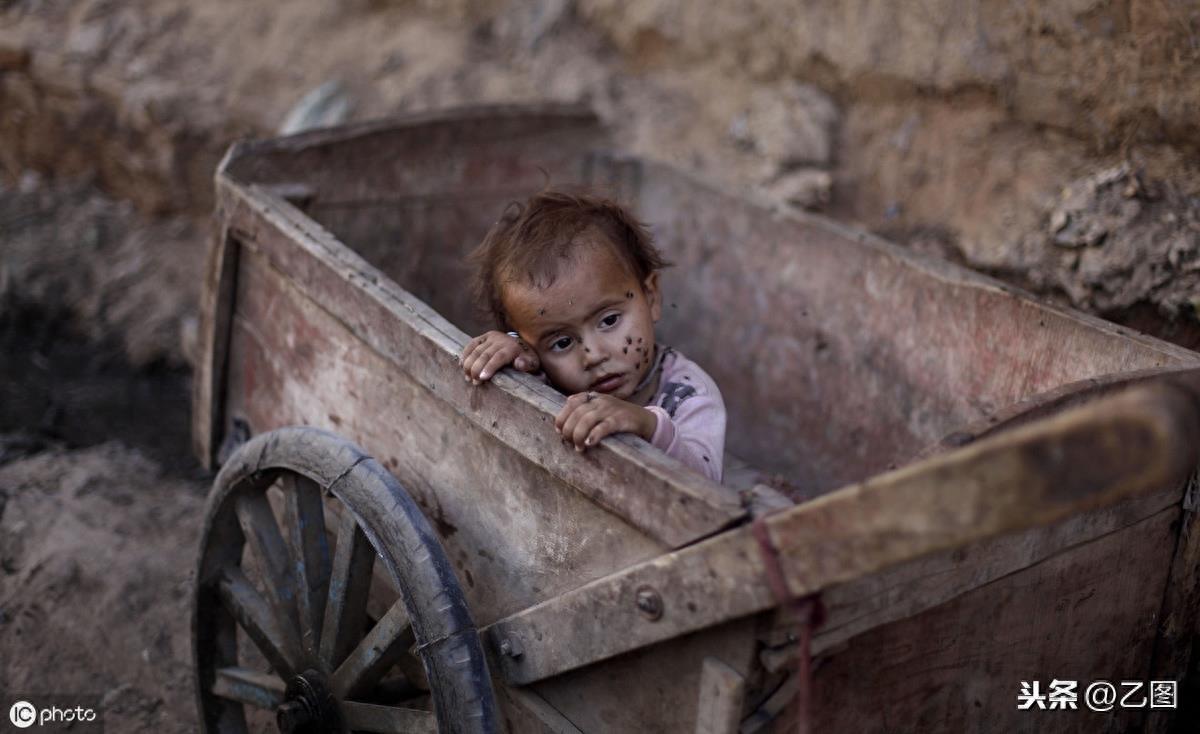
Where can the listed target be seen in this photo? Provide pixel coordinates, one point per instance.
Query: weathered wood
(651, 688)
(530, 539)
(840, 355)
(378, 650)
(1179, 624)
(1056, 400)
(911, 588)
(211, 369)
(388, 719)
(263, 536)
(624, 474)
(349, 583)
(276, 642)
(1095, 455)
(1082, 615)
(528, 713)
(838, 325)
(305, 519)
(379, 508)
(260, 690)
(719, 709)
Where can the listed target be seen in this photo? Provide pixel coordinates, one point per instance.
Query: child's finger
(469, 351)
(480, 359)
(605, 427)
(527, 362)
(571, 424)
(496, 361)
(573, 403)
(588, 418)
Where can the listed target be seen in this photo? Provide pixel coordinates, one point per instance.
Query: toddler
(572, 280)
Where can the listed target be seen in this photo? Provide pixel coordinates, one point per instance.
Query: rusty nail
(649, 603)
(510, 649)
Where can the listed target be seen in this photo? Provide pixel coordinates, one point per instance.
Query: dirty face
(593, 327)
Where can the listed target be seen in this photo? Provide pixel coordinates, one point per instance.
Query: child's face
(593, 328)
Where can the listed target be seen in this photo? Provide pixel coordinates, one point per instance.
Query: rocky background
(1052, 143)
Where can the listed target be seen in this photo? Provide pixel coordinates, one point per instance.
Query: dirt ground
(1054, 147)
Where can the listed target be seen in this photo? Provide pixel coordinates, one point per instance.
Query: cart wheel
(304, 608)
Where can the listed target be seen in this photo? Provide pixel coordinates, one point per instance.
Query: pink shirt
(691, 416)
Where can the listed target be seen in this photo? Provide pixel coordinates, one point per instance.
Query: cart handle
(1141, 440)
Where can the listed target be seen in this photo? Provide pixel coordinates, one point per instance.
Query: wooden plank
(843, 355)
(910, 588)
(719, 709)
(342, 163)
(1179, 626)
(525, 712)
(208, 379)
(1096, 455)
(624, 474)
(260, 690)
(1086, 614)
(1055, 400)
(388, 719)
(653, 688)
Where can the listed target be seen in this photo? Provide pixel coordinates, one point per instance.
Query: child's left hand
(590, 416)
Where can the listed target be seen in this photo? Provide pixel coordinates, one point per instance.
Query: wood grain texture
(1086, 458)
(624, 474)
(841, 355)
(515, 534)
(1082, 615)
(719, 708)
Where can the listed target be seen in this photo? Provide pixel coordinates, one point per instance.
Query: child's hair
(530, 241)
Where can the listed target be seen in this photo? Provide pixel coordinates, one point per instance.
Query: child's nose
(593, 353)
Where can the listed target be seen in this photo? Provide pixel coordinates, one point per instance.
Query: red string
(809, 614)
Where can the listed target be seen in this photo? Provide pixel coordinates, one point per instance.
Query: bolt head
(649, 603)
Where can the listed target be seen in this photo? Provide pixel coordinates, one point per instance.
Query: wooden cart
(979, 488)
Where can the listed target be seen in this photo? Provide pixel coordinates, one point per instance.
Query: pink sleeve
(695, 435)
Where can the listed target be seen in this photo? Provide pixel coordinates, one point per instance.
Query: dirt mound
(96, 549)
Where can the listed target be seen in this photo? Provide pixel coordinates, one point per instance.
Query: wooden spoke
(253, 613)
(349, 583)
(305, 519)
(262, 534)
(374, 655)
(388, 719)
(262, 690)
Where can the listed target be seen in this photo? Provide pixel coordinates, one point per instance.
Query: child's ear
(653, 295)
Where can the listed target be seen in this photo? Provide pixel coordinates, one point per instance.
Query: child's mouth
(608, 384)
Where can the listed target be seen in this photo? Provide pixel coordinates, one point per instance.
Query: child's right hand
(487, 354)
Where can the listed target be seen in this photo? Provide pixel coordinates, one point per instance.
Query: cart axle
(310, 707)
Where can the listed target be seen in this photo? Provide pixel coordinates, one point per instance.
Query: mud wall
(976, 131)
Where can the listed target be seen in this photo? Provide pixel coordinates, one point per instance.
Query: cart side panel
(416, 156)
(1087, 614)
(653, 689)
(839, 354)
(516, 534)
(413, 197)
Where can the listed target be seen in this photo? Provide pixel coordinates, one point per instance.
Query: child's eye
(610, 320)
(561, 344)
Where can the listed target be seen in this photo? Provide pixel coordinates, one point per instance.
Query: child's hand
(487, 354)
(590, 416)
